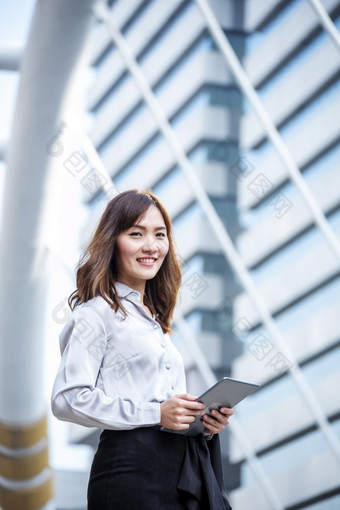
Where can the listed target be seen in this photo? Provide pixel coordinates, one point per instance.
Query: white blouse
(115, 370)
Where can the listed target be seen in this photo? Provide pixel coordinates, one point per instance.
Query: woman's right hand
(179, 411)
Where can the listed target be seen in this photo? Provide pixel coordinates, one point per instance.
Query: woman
(120, 372)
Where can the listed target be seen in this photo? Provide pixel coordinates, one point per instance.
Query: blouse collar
(123, 291)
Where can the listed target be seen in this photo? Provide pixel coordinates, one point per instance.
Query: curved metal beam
(53, 53)
(326, 22)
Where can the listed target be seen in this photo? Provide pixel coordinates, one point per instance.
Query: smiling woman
(142, 249)
(120, 372)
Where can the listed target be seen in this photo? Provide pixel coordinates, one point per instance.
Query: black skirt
(147, 469)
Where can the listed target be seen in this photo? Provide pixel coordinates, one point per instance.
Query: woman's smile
(146, 261)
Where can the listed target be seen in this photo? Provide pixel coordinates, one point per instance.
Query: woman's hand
(217, 421)
(179, 411)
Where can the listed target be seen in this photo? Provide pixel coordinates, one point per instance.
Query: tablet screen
(227, 392)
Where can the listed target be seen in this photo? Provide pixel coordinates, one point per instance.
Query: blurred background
(229, 110)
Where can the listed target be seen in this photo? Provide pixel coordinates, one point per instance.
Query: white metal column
(102, 12)
(52, 55)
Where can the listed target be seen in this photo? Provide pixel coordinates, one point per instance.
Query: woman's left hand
(217, 421)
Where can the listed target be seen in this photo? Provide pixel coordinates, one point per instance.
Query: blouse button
(168, 367)
(155, 326)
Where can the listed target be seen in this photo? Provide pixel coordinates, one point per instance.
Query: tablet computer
(225, 393)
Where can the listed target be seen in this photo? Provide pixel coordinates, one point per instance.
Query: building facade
(295, 68)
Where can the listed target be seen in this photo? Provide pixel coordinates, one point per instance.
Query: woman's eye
(160, 234)
(135, 234)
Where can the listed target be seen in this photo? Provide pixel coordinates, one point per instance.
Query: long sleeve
(76, 395)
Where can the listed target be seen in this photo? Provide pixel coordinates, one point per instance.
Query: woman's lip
(146, 261)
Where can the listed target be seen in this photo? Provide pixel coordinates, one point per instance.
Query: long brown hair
(97, 270)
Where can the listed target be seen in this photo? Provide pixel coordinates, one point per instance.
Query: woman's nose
(150, 244)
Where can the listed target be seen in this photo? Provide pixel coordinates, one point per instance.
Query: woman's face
(141, 249)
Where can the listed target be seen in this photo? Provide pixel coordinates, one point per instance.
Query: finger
(189, 419)
(181, 422)
(192, 405)
(220, 417)
(211, 430)
(192, 413)
(217, 419)
(189, 402)
(186, 396)
(190, 399)
(185, 420)
(213, 426)
(180, 426)
(227, 411)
